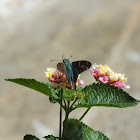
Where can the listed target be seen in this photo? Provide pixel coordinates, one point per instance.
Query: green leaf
(52, 100)
(50, 137)
(76, 130)
(30, 137)
(38, 86)
(68, 94)
(105, 95)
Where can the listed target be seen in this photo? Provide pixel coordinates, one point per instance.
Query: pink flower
(51, 79)
(104, 79)
(54, 75)
(104, 74)
(93, 71)
(119, 84)
(59, 80)
(81, 82)
(127, 86)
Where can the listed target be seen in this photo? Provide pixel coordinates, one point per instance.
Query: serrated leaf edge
(88, 127)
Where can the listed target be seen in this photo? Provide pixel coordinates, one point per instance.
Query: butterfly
(72, 70)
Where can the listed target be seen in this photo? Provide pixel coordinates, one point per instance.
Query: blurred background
(32, 32)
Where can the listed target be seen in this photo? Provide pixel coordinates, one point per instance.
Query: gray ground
(100, 31)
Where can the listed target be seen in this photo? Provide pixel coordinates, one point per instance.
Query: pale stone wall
(105, 32)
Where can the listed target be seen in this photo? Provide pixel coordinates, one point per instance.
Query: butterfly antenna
(70, 56)
(55, 60)
(63, 57)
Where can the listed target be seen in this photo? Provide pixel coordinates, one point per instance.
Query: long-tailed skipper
(72, 70)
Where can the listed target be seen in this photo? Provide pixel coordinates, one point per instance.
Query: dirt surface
(102, 32)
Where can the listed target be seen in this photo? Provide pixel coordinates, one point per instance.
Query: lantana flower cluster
(59, 80)
(104, 74)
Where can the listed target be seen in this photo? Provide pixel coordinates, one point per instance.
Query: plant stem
(84, 113)
(68, 104)
(73, 102)
(65, 123)
(65, 102)
(60, 125)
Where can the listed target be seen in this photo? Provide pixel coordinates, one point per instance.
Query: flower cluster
(59, 80)
(78, 94)
(104, 74)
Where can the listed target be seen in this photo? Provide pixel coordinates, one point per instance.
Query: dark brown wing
(81, 66)
(60, 67)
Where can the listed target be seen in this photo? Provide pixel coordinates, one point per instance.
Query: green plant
(107, 92)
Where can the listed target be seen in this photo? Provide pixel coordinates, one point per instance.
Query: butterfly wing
(68, 71)
(60, 67)
(77, 68)
(81, 66)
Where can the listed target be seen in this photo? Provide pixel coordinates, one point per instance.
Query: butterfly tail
(72, 83)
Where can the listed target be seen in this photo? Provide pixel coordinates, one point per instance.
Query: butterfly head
(65, 61)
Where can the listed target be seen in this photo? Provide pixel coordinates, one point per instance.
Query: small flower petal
(81, 82)
(48, 74)
(104, 79)
(91, 70)
(127, 86)
(119, 85)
